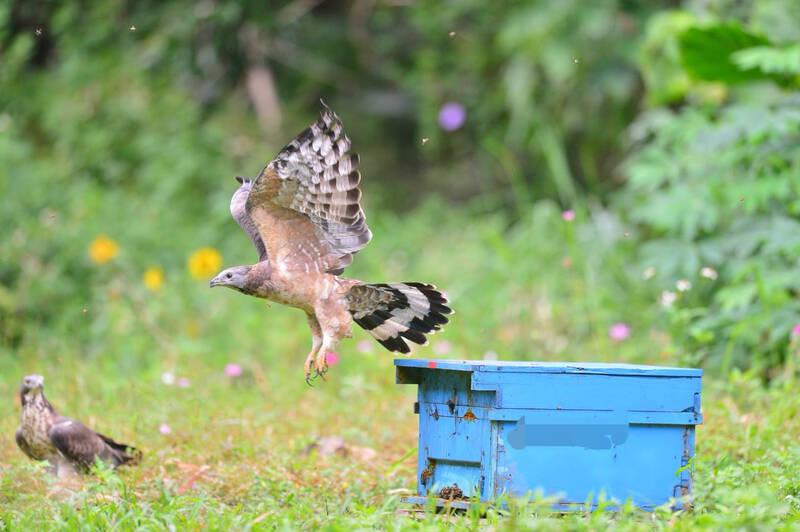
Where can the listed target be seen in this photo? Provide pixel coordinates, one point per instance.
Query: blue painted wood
(568, 429)
(537, 415)
(597, 391)
(548, 367)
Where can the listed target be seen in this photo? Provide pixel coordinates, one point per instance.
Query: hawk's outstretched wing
(305, 203)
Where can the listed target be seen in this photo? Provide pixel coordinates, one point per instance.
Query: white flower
(490, 355)
(683, 285)
(709, 273)
(648, 273)
(168, 378)
(668, 298)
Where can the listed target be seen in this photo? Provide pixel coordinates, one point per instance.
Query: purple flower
(332, 358)
(619, 331)
(568, 215)
(452, 116)
(164, 428)
(183, 382)
(233, 370)
(796, 330)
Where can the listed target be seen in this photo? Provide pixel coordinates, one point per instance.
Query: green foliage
(86, 161)
(132, 134)
(716, 187)
(527, 73)
(530, 75)
(770, 59)
(706, 53)
(659, 57)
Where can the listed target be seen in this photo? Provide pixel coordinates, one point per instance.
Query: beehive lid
(594, 368)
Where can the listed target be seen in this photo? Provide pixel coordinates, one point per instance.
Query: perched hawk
(303, 215)
(68, 445)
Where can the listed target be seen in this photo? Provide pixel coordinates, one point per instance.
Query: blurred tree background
(574, 173)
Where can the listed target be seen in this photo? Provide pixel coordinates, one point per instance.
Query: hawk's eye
(229, 275)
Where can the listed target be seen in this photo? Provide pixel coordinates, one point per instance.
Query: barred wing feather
(305, 204)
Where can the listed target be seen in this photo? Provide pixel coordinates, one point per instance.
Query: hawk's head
(32, 385)
(235, 278)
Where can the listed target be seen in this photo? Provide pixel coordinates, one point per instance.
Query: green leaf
(769, 59)
(736, 296)
(706, 52)
(659, 57)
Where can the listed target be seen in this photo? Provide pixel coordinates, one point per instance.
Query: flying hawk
(68, 445)
(303, 215)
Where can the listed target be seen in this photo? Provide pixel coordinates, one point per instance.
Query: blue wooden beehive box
(567, 429)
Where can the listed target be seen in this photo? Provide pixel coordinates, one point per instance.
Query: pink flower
(164, 428)
(619, 331)
(452, 116)
(233, 370)
(796, 330)
(442, 347)
(332, 358)
(183, 382)
(364, 346)
(568, 215)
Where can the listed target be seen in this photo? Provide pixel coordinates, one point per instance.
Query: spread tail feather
(395, 312)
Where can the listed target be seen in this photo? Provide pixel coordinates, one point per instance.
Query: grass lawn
(234, 458)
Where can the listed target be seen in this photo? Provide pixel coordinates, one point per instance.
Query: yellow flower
(153, 278)
(204, 263)
(103, 249)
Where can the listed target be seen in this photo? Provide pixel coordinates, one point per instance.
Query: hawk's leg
(328, 346)
(61, 467)
(316, 343)
(335, 321)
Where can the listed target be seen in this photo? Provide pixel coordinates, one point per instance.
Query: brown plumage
(67, 444)
(303, 215)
